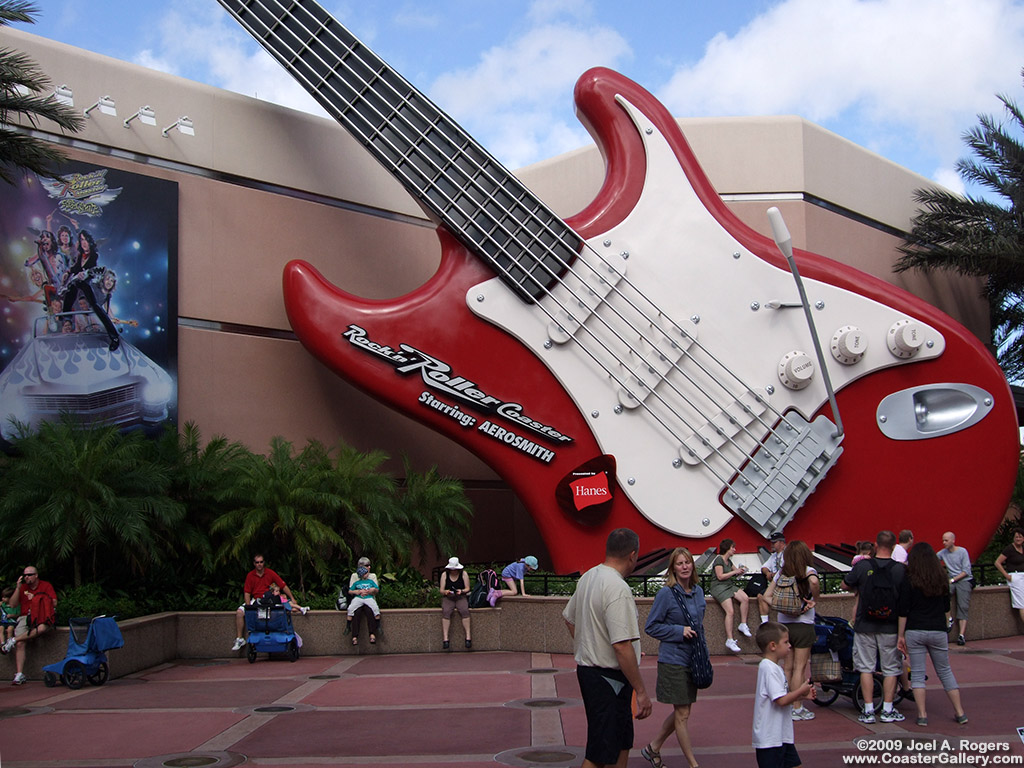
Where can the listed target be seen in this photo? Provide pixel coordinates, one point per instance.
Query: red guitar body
(958, 482)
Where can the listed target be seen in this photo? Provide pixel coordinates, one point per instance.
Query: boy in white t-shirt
(773, 720)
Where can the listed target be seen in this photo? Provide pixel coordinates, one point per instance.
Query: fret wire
(528, 274)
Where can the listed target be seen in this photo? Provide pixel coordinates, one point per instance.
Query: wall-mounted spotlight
(64, 95)
(183, 124)
(145, 114)
(105, 104)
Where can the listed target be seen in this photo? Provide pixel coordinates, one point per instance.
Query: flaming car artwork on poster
(611, 367)
(87, 293)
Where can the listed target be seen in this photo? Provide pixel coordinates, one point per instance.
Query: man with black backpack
(876, 580)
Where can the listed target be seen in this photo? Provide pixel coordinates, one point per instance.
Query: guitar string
(727, 438)
(680, 417)
(715, 449)
(696, 384)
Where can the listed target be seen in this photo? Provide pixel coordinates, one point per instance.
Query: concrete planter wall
(531, 624)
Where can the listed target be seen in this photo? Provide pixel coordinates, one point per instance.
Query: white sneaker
(239, 642)
(9, 645)
(803, 714)
(744, 629)
(19, 679)
(732, 645)
(304, 610)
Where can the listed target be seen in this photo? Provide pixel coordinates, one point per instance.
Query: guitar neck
(458, 182)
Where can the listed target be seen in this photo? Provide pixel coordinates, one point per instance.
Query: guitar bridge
(783, 471)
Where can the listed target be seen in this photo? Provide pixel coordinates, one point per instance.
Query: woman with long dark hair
(677, 620)
(79, 282)
(797, 563)
(924, 602)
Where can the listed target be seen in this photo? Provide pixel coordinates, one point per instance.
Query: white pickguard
(677, 257)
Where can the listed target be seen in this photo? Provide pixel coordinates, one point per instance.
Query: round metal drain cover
(324, 677)
(18, 712)
(192, 760)
(542, 703)
(547, 756)
(524, 757)
(541, 671)
(534, 704)
(274, 709)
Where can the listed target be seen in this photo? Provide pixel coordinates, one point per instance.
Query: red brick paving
(435, 710)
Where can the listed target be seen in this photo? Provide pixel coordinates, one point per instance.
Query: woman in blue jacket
(676, 631)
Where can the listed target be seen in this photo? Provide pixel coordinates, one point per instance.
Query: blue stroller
(270, 630)
(85, 659)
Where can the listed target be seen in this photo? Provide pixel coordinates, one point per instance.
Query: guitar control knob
(849, 344)
(905, 338)
(796, 369)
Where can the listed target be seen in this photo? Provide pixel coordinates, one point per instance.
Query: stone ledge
(530, 624)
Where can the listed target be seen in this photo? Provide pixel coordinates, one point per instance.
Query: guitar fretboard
(458, 182)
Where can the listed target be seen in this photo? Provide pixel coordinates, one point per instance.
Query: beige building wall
(260, 184)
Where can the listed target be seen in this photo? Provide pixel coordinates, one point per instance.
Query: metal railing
(543, 584)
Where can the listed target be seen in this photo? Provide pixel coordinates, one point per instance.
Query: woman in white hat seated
(454, 588)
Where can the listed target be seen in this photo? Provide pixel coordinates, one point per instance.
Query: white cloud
(923, 66)
(516, 99)
(203, 42)
(950, 179)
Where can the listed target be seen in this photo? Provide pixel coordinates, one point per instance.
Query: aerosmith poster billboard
(88, 292)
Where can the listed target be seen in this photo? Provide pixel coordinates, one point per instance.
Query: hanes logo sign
(590, 490)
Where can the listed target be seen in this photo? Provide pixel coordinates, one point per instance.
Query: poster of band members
(88, 296)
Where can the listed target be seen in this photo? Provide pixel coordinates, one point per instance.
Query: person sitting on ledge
(257, 582)
(38, 605)
(454, 586)
(363, 588)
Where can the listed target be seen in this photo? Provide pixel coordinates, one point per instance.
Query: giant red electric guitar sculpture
(647, 363)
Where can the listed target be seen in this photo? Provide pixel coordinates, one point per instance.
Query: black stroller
(832, 665)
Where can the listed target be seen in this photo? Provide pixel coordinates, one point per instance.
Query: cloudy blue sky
(903, 78)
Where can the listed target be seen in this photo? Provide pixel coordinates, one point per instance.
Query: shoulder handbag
(701, 671)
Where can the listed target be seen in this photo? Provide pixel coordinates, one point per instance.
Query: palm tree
(21, 86)
(982, 236)
(284, 501)
(436, 509)
(202, 478)
(88, 495)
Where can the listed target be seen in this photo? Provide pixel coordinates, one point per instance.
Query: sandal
(373, 639)
(652, 756)
(355, 641)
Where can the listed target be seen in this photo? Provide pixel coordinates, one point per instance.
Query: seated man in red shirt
(38, 604)
(257, 582)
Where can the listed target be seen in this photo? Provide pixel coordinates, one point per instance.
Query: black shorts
(607, 699)
(785, 756)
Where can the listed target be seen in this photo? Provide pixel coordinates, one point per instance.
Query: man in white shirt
(602, 619)
(777, 543)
